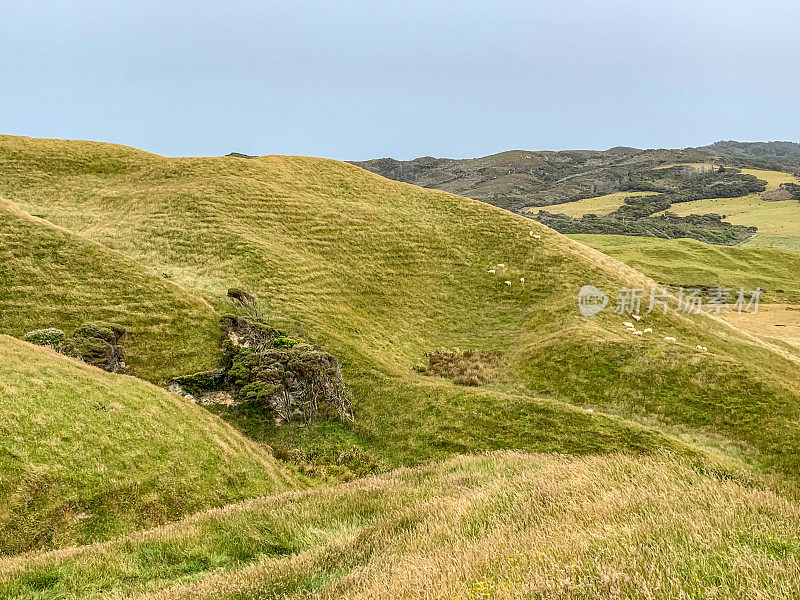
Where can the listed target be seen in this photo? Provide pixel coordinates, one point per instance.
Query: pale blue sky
(362, 79)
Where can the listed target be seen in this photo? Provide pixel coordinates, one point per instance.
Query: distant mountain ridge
(518, 179)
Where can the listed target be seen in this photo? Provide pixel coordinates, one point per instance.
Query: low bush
(464, 367)
(97, 343)
(45, 337)
(281, 374)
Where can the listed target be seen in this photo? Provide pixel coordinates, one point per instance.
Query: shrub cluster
(97, 343)
(266, 367)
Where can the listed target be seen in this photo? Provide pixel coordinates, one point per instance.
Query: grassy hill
(87, 455)
(383, 273)
(500, 525)
(51, 277)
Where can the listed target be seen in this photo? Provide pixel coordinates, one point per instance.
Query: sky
(362, 79)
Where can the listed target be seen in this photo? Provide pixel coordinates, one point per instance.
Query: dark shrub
(283, 374)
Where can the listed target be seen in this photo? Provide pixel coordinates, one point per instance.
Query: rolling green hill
(50, 277)
(662, 494)
(87, 455)
(382, 273)
(500, 525)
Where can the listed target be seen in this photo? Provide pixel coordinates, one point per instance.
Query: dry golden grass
(775, 322)
(502, 525)
(599, 205)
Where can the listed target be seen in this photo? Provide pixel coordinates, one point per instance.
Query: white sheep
(492, 271)
(648, 330)
(637, 332)
(500, 266)
(669, 338)
(636, 317)
(700, 348)
(627, 324)
(522, 280)
(537, 237)
(530, 233)
(508, 282)
(705, 349)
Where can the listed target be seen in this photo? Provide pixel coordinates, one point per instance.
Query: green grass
(50, 277)
(500, 525)
(87, 455)
(689, 263)
(382, 272)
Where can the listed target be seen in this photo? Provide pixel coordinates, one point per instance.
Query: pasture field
(688, 263)
(778, 222)
(599, 205)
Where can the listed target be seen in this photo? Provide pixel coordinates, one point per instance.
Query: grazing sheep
(522, 280)
(700, 348)
(530, 233)
(492, 271)
(648, 330)
(537, 237)
(628, 324)
(500, 266)
(705, 349)
(636, 317)
(637, 332)
(508, 282)
(669, 338)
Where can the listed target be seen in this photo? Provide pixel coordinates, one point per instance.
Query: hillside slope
(50, 277)
(383, 273)
(88, 455)
(501, 525)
